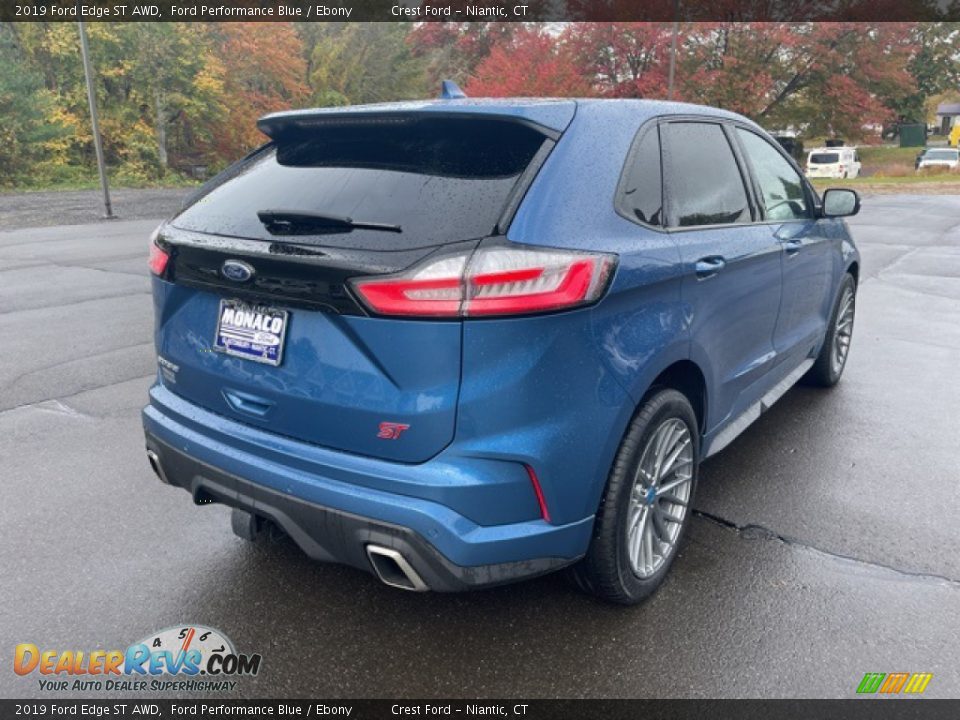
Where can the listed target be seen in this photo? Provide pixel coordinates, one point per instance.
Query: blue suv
(460, 342)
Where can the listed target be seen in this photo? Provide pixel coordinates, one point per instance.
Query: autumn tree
(454, 50)
(354, 63)
(176, 77)
(622, 59)
(825, 77)
(532, 62)
(265, 71)
(183, 94)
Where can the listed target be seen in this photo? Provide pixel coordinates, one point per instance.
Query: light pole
(94, 122)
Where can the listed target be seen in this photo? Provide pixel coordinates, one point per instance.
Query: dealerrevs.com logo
(894, 683)
(185, 658)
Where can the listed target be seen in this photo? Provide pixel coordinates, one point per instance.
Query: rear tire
(831, 361)
(647, 504)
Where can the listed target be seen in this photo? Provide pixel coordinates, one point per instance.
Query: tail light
(158, 255)
(494, 280)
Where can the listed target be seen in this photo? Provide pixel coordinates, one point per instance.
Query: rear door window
(702, 181)
(439, 180)
(781, 187)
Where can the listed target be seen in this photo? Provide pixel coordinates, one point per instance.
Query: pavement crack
(135, 256)
(72, 361)
(754, 531)
(74, 302)
(60, 406)
(56, 406)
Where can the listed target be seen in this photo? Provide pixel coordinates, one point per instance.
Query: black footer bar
(874, 708)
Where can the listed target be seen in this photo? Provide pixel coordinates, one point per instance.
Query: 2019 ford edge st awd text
(461, 342)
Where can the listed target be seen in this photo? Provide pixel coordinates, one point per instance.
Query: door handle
(709, 266)
(792, 246)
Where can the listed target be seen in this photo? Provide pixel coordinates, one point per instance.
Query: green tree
(30, 132)
(363, 63)
(935, 67)
(173, 75)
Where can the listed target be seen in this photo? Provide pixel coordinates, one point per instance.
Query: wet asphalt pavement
(825, 545)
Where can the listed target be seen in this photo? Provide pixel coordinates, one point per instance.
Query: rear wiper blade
(299, 222)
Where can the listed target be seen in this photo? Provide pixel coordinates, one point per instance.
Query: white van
(833, 162)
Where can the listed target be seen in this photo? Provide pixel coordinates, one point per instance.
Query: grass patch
(913, 178)
(879, 156)
(74, 181)
(912, 184)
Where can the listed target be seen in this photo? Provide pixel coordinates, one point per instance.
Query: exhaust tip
(157, 467)
(393, 569)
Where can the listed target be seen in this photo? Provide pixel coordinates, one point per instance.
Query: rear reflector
(538, 491)
(495, 280)
(158, 259)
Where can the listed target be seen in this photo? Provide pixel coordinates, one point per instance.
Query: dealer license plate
(251, 332)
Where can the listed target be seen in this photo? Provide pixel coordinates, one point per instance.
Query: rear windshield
(431, 180)
(824, 158)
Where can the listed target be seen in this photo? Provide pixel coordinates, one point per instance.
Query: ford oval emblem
(236, 270)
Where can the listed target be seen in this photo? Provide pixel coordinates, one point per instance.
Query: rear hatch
(255, 319)
(823, 163)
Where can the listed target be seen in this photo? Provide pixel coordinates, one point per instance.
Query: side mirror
(840, 202)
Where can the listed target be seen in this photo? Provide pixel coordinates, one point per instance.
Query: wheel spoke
(664, 489)
(638, 518)
(648, 546)
(665, 438)
(672, 518)
(678, 448)
(636, 538)
(646, 475)
(659, 526)
(634, 551)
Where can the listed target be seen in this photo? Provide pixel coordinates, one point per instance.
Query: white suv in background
(833, 162)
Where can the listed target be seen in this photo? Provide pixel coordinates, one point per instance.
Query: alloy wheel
(660, 498)
(842, 332)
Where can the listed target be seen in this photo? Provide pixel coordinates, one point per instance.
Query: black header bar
(477, 10)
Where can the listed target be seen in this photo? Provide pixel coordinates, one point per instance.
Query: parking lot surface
(825, 544)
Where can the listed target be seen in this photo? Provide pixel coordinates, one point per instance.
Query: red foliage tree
(453, 50)
(622, 59)
(530, 63)
(265, 71)
(828, 77)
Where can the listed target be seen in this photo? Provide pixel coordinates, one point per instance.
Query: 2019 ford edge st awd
(461, 342)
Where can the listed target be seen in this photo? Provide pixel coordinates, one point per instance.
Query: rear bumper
(216, 459)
